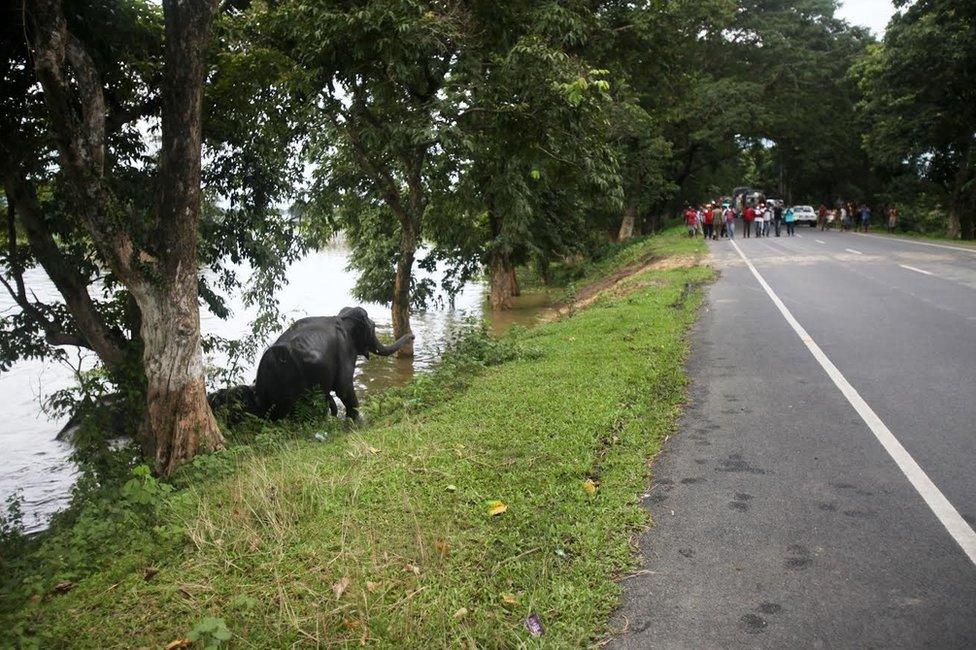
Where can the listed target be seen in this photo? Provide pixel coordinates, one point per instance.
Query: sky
(870, 13)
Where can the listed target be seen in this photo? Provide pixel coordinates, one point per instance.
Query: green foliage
(143, 490)
(468, 349)
(210, 633)
(917, 105)
(12, 539)
(772, 85)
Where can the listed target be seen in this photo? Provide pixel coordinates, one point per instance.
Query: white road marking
(930, 493)
(912, 268)
(820, 241)
(920, 243)
(799, 235)
(851, 250)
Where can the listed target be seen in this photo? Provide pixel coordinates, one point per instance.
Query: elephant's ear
(357, 324)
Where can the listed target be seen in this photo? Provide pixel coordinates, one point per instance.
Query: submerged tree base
(449, 520)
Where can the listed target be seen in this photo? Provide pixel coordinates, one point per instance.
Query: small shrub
(210, 633)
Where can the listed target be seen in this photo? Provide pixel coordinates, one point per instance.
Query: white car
(805, 214)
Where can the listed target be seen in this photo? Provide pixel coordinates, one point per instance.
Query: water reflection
(526, 310)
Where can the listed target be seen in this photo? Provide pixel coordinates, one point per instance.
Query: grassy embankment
(382, 534)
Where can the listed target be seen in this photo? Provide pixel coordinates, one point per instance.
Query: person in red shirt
(749, 216)
(691, 220)
(709, 220)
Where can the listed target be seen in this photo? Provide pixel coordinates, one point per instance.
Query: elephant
(318, 353)
(237, 400)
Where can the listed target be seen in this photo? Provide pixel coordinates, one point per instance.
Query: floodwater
(35, 465)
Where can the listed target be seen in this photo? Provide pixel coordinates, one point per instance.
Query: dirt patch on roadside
(615, 285)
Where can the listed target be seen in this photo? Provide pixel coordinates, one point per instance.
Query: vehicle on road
(805, 214)
(744, 197)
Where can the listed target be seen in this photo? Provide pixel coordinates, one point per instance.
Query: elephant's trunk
(387, 350)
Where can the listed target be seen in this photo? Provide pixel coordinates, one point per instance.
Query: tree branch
(73, 286)
(80, 141)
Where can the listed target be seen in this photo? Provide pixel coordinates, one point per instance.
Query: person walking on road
(729, 218)
(865, 212)
(845, 219)
(748, 216)
(760, 220)
(822, 217)
(708, 221)
(790, 219)
(777, 216)
(691, 221)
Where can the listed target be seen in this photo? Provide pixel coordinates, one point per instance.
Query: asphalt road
(780, 518)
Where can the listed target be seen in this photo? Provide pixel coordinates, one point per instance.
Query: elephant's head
(362, 330)
(237, 400)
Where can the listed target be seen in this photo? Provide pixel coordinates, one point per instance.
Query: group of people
(849, 216)
(714, 222)
(710, 221)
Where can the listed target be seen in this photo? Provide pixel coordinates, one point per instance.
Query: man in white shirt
(760, 219)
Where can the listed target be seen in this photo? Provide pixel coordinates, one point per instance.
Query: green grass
(382, 533)
(568, 277)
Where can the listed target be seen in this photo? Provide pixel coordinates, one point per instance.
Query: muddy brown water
(35, 466)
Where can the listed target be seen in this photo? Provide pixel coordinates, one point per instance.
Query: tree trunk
(542, 267)
(960, 211)
(627, 224)
(516, 290)
(178, 423)
(162, 275)
(501, 280)
(954, 227)
(401, 287)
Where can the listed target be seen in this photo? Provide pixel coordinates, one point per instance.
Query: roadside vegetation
(502, 485)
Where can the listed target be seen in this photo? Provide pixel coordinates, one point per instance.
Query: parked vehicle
(805, 214)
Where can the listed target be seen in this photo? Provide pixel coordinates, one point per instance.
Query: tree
(153, 255)
(374, 71)
(649, 49)
(772, 74)
(919, 103)
(115, 221)
(529, 143)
